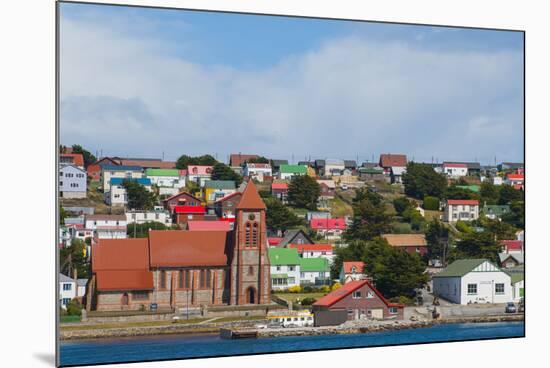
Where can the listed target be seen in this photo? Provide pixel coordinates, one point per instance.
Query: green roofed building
(314, 271)
(288, 171)
(473, 281)
(494, 211)
(517, 274)
(163, 172)
(472, 188)
(169, 181)
(284, 268)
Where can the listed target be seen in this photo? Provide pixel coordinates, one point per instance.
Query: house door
(377, 313)
(251, 295)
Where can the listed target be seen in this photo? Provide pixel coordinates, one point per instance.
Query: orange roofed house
(178, 268)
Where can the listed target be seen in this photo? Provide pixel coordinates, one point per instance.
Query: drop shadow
(46, 358)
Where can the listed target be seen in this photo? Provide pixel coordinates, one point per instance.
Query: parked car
(510, 308)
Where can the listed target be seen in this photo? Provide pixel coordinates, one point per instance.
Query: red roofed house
(352, 271)
(75, 159)
(186, 269)
(314, 250)
(280, 191)
(225, 207)
(197, 225)
(461, 210)
(183, 214)
(239, 159)
(356, 300)
(516, 180)
(455, 170)
(394, 166)
(274, 241)
(411, 243)
(331, 228)
(94, 170)
(512, 246)
(181, 199)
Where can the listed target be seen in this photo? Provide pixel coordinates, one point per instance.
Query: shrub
(336, 285)
(463, 227)
(431, 203)
(402, 299)
(324, 289)
(74, 308)
(308, 289)
(308, 301)
(401, 228)
(294, 289)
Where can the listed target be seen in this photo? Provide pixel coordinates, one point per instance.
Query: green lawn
(69, 319)
(129, 324)
(339, 208)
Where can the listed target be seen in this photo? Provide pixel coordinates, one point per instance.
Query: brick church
(178, 268)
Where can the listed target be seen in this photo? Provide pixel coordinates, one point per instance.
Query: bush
(324, 289)
(401, 228)
(294, 289)
(308, 301)
(336, 285)
(74, 308)
(402, 299)
(431, 203)
(307, 289)
(463, 227)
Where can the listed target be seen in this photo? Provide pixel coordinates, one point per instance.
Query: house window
(291, 280)
(67, 287)
(140, 295)
(370, 295)
(356, 295)
(291, 268)
(181, 281)
(393, 310)
(302, 274)
(278, 268)
(472, 289)
(499, 288)
(65, 301)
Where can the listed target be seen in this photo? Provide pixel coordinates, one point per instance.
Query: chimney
(75, 274)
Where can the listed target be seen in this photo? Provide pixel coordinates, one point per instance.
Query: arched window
(255, 234)
(247, 234)
(163, 279)
(250, 270)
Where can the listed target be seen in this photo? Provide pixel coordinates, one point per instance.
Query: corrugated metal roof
(460, 267)
(283, 256)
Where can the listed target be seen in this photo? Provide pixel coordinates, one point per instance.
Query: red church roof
(251, 199)
(209, 225)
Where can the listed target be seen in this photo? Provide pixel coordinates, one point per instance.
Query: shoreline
(352, 328)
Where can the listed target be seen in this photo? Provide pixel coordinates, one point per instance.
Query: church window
(250, 270)
(163, 279)
(247, 234)
(255, 234)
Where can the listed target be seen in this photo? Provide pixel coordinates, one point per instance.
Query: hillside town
(317, 242)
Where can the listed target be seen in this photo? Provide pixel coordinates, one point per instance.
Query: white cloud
(131, 95)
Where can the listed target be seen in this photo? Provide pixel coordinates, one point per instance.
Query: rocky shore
(351, 327)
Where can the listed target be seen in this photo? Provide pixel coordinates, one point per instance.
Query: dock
(228, 333)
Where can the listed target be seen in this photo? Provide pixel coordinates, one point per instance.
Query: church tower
(250, 279)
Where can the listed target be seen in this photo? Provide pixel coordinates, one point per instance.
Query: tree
(401, 204)
(509, 194)
(369, 216)
(62, 215)
(142, 230)
(431, 203)
(500, 229)
(477, 245)
(139, 198)
(279, 217)
(88, 157)
(488, 193)
(73, 257)
(223, 172)
(303, 192)
(516, 216)
(437, 236)
(395, 272)
(454, 192)
(184, 160)
(354, 251)
(421, 180)
(258, 160)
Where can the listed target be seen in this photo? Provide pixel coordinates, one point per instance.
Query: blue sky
(173, 82)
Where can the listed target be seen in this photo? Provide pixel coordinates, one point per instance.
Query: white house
(107, 226)
(315, 251)
(169, 181)
(497, 180)
(257, 171)
(455, 170)
(69, 289)
(314, 271)
(284, 267)
(333, 167)
(461, 210)
(141, 217)
(72, 182)
(518, 283)
(117, 196)
(467, 281)
(396, 174)
(352, 271)
(118, 171)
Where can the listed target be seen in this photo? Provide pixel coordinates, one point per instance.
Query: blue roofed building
(116, 194)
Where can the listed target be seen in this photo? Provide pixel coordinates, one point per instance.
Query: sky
(142, 82)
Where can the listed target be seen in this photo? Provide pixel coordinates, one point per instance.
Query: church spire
(250, 199)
